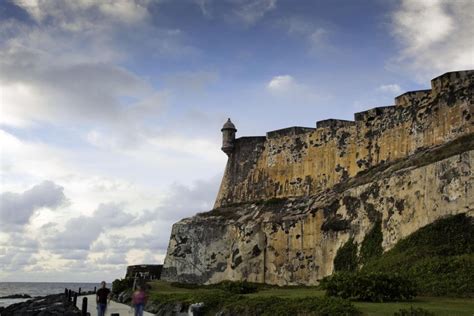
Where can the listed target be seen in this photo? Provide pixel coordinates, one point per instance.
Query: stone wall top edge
(410, 97)
(403, 100)
(333, 123)
(293, 130)
(250, 138)
(414, 92)
(376, 111)
(453, 74)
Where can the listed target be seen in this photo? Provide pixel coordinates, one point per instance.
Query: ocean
(38, 289)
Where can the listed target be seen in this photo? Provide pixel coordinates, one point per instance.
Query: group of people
(103, 296)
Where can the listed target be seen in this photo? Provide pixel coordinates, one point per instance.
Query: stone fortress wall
(289, 201)
(301, 161)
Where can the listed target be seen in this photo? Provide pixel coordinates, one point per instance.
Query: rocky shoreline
(16, 296)
(55, 304)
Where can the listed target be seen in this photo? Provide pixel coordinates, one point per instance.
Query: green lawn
(442, 306)
(288, 292)
(438, 305)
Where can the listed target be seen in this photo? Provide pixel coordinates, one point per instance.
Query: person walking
(102, 298)
(139, 299)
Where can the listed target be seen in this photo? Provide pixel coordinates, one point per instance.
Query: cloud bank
(435, 36)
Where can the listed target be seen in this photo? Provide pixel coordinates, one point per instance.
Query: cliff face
(290, 200)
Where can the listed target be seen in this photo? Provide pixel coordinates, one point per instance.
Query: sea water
(34, 289)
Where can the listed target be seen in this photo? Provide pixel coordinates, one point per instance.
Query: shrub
(190, 286)
(238, 287)
(372, 287)
(120, 285)
(212, 299)
(234, 287)
(346, 257)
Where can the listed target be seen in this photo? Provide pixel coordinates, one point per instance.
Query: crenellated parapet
(299, 161)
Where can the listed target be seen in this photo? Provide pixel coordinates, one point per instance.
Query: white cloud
(244, 12)
(251, 11)
(390, 88)
(192, 81)
(285, 89)
(114, 235)
(73, 14)
(435, 36)
(317, 39)
(67, 65)
(16, 209)
(281, 83)
(315, 35)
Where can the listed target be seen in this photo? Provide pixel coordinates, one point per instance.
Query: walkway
(113, 307)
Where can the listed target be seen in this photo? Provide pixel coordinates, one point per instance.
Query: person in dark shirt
(102, 298)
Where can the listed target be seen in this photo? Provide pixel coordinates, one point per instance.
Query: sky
(110, 111)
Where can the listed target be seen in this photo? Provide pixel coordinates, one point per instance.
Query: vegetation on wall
(371, 246)
(439, 257)
(346, 257)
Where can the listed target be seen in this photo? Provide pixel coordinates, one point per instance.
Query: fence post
(84, 306)
(79, 292)
(94, 289)
(74, 300)
(69, 295)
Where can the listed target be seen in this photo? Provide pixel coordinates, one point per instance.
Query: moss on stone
(371, 246)
(346, 257)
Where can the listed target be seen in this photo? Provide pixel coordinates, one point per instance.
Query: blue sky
(111, 110)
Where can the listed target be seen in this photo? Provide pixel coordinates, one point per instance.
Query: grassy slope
(441, 306)
(438, 305)
(439, 257)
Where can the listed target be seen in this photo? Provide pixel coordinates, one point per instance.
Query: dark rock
(16, 296)
(42, 306)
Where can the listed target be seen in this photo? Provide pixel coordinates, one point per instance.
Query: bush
(413, 312)
(234, 287)
(120, 285)
(372, 287)
(278, 306)
(190, 286)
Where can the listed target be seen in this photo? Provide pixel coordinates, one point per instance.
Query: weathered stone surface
(289, 201)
